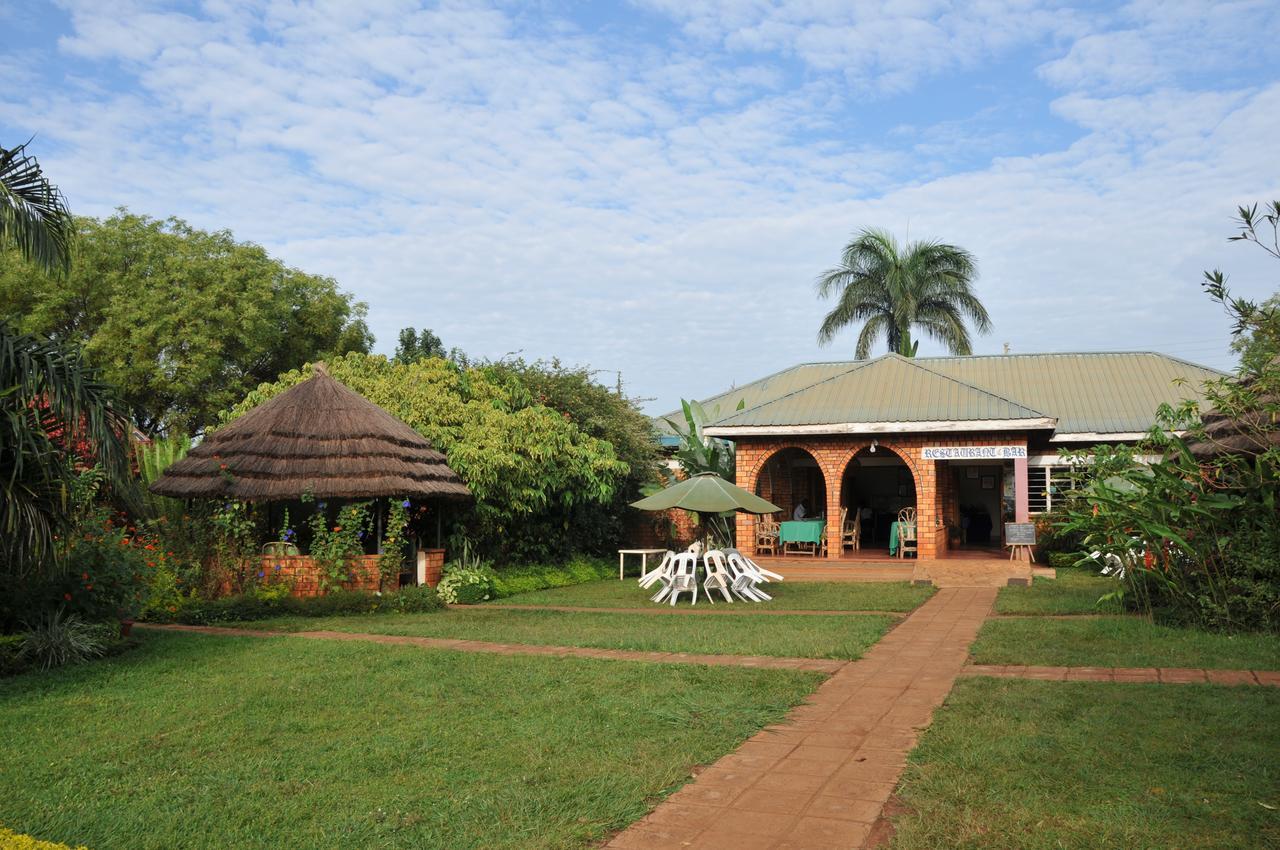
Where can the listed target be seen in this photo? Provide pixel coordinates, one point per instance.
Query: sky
(652, 187)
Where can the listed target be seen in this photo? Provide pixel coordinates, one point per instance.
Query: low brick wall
(303, 576)
(433, 562)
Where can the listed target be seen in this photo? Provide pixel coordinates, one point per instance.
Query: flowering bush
(105, 578)
(10, 840)
(334, 546)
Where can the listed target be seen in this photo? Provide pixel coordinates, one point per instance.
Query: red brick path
(820, 779)
(821, 665)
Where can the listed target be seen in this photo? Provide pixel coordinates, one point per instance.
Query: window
(1046, 486)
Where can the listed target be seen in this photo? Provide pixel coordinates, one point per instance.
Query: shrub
(11, 660)
(515, 580)
(104, 579)
(466, 585)
(60, 637)
(262, 603)
(1062, 560)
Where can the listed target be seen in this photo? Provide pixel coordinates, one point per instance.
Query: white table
(644, 559)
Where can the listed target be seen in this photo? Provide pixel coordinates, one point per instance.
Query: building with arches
(970, 442)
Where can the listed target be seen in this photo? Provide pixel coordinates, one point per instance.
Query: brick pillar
(831, 473)
(927, 508)
(1021, 500)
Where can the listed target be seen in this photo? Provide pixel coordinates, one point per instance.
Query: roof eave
(925, 427)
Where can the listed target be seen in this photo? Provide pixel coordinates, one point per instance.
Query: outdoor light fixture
(873, 446)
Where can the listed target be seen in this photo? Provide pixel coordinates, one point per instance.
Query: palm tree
(49, 399)
(891, 289)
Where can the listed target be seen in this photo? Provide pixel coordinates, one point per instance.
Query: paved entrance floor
(820, 779)
(942, 572)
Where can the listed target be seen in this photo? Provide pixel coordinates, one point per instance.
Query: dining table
(895, 535)
(802, 531)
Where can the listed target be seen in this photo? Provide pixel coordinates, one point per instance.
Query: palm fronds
(33, 214)
(890, 289)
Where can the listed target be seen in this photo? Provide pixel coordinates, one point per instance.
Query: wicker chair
(907, 535)
(766, 536)
(851, 529)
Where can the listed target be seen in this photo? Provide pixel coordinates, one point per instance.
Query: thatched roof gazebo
(1250, 431)
(318, 438)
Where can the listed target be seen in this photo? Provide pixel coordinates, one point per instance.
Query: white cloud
(663, 209)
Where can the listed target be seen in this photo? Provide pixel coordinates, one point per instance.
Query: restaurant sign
(973, 452)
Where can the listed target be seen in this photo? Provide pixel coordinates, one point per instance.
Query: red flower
(84, 576)
(66, 596)
(88, 587)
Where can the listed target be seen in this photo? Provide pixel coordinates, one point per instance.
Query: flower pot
(126, 628)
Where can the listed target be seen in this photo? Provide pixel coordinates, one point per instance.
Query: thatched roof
(1251, 432)
(318, 437)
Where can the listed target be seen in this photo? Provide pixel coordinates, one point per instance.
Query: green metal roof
(1103, 393)
(889, 389)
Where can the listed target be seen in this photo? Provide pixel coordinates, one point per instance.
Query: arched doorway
(791, 477)
(877, 483)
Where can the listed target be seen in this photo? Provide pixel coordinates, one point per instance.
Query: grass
(1120, 642)
(1074, 591)
(836, 636)
(1027, 765)
(215, 742)
(797, 596)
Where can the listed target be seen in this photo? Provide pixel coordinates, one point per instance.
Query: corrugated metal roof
(888, 389)
(1105, 392)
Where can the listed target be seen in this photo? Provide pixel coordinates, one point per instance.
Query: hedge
(248, 606)
(10, 840)
(510, 581)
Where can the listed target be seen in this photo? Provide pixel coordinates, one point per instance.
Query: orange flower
(337, 528)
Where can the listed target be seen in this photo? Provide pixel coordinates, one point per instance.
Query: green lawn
(801, 596)
(1120, 642)
(1072, 592)
(1026, 765)
(214, 742)
(836, 636)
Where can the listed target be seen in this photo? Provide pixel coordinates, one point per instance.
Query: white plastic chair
(684, 578)
(659, 572)
(751, 566)
(745, 578)
(718, 577)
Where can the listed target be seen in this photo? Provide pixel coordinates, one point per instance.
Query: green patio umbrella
(706, 493)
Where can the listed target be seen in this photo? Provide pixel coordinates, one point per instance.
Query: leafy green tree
(893, 289)
(1256, 328)
(537, 475)
(414, 346)
(184, 321)
(53, 409)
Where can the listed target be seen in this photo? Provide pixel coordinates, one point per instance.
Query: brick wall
(303, 576)
(935, 496)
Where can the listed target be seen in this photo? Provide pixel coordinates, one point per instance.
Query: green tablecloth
(802, 531)
(893, 537)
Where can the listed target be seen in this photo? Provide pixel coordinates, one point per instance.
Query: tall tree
(413, 346)
(184, 321)
(893, 289)
(51, 406)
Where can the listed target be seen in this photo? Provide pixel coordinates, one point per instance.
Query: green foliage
(58, 637)
(466, 585)
(55, 415)
(333, 547)
(1199, 538)
(34, 218)
(414, 346)
(184, 321)
(538, 478)
(1062, 560)
(698, 452)
(394, 540)
(512, 581)
(267, 601)
(892, 289)
(153, 458)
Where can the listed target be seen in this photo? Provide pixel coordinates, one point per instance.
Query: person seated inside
(800, 512)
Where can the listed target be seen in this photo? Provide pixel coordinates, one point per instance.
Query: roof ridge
(859, 365)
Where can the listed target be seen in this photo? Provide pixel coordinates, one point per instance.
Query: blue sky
(652, 187)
